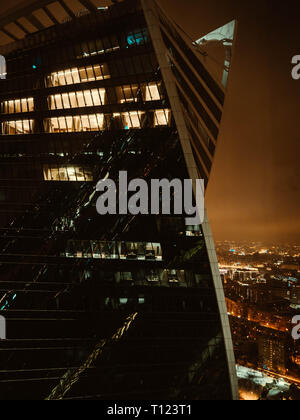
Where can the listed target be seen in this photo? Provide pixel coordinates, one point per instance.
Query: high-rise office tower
(115, 306)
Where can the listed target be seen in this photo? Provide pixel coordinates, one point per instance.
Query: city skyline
(263, 299)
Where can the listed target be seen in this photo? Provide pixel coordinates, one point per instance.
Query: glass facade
(96, 103)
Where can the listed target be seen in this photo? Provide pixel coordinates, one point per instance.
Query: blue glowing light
(138, 37)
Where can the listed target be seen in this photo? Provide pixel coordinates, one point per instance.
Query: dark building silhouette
(109, 307)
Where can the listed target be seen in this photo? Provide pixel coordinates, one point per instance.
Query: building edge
(167, 75)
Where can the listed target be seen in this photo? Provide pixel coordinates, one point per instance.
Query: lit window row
(92, 122)
(77, 75)
(67, 173)
(17, 105)
(97, 97)
(97, 122)
(114, 250)
(17, 127)
(79, 123)
(87, 98)
(93, 97)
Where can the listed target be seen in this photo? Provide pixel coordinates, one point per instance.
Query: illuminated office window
(133, 93)
(93, 122)
(152, 92)
(78, 75)
(162, 117)
(17, 105)
(128, 93)
(61, 124)
(93, 97)
(17, 127)
(67, 173)
(133, 119)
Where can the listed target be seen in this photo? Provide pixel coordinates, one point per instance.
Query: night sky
(254, 187)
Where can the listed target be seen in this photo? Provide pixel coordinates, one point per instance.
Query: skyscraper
(115, 306)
